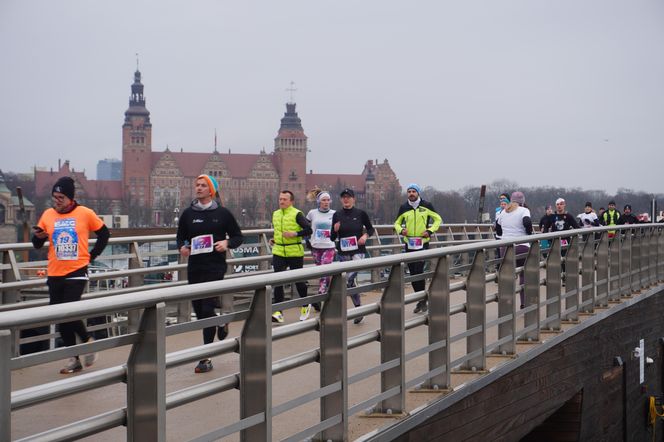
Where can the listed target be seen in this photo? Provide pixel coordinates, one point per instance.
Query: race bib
(65, 240)
(348, 244)
(415, 243)
(563, 242)
(202, 244)
(322, 234)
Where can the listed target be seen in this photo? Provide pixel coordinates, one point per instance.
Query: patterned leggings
(323, 256)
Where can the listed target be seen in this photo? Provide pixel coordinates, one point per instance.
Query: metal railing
(596, 272)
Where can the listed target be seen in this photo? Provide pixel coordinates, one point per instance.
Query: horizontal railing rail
(578, 273)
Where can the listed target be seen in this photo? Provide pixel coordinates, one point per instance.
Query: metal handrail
(640, 248)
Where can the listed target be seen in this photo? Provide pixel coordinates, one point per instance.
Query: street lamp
(176, 212)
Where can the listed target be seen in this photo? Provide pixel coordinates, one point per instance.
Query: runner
(290, 226)
(322, 247)
(206, 230)
(610, 218)
(560, 221)
(67, 226)
(588, 219)
(628, 217)
(351, 227)
(416, 222)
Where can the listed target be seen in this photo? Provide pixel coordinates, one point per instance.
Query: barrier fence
(575, 275)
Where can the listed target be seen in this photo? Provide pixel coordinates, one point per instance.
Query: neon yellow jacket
(416, 221)
(284, 220)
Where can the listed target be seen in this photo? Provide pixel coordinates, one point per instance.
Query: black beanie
(65, 185)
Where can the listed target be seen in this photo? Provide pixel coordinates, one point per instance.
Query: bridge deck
(187, 421)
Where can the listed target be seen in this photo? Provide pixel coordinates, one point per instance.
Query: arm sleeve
(397, 224)
(302, 222)
(333, 233)
(528, 224)
(436, 221)
(235, 237)
(499, 230)
(367, 224)
(181, 236)
(573, 222)
(102, 240)
(38, 243)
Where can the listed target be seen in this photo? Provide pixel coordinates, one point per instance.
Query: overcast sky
(452, 93)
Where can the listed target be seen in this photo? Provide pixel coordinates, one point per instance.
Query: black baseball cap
(348, 192)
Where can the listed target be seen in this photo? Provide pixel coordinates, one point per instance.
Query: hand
(362, 240)
(404, 232)
(185, 251)
(41, 234)
(337, 225)
(272, 241)
(425, 234)
(289, 234)
(221, 246)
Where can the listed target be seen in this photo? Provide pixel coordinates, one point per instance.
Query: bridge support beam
(146, 379)
(625, 263)
(392, 341)
(614, 270)
(476, 315)
(531, 270)
(135, 262)
(439, 325)
(553, 286)
(5, 384)
(334, 359)
(571, 293)
(588, 276)
(256, 367)
(602, 297)
(506, 303)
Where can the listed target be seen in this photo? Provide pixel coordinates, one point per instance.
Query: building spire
(137, 62)
(291, 89)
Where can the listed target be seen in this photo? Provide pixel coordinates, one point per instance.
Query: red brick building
(155, 185)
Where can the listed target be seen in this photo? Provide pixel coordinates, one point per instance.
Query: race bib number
(202, 244)
(65, 240)
(348, 244)
(563, 242)
(322, 234)
(415, 243)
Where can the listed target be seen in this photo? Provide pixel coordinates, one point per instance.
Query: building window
(2, 214)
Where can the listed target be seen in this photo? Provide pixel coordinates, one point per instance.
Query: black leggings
(280, 263)
(205, 308)
(416, 268)
(68, 290)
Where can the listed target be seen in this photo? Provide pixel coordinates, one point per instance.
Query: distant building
(109, 169)
(157, 186)
(250, 183)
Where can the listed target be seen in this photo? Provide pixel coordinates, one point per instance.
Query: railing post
(646, 246)
(334, 359)
(625, 262)
(635, 273)
(532, 292)
(392, 340)
(602, 298)
(571, 294)
(135, 262)
(553, 285)
(614, 270)
(476, 313)
(263, 250)
(9, 296)
(5, 385)
(184, 307)
(375, 271)
(439, 324)
(660, 253)
(652, 261)
(146, 378)
(588, 275)
(256, 367)
(506, 304)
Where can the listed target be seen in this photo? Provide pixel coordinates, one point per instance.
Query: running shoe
(358, 319)
(305, 312)
(421, 307)
(203, 366)
(278, 317)
(90, 358)
(73, 366)
(222, 332)
(316, 306)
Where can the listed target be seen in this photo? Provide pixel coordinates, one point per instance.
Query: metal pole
(439, 324)
(5, 385)
(476, 313)
(614, 270)
(135, 262)
(392, 342)
(146, 378)
(532, 289)
(334, 359)
(506, 303)
(256, 367)
(553, 285)
(602, 298)
(572, 279)
(588, 275)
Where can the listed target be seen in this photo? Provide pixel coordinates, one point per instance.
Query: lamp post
(176, 212)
